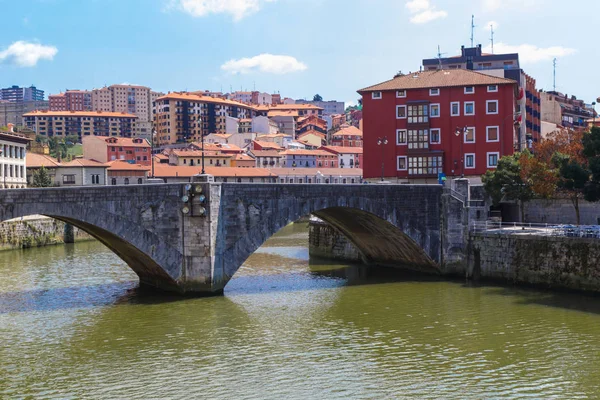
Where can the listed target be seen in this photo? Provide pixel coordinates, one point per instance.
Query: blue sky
(296, 47)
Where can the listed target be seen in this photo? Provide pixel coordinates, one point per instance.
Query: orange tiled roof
(267, 145)
(438, 79)
(243, 157)
(119, 165)
(82, 162)
(343, 150)
(45, 113)
(201, 98)
(34, 160)
(312, 132)
(282, 113)
(348, 131)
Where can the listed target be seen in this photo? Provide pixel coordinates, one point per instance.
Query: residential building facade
(106, 149)
(81, 123)
(13, 160)
(329, 107)
(347, 157)
(454, 122)
(564, 110)
(17, 94)
(347, 136)
(12, 112)
(71, 100)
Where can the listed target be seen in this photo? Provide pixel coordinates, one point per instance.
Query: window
(113, 181)
(401, 160)
(400, 93)
(492, 107)
(492, 134)
(455, 109)
(418, 139)
(469, 89)
(418, 114)
(376, 95)
(401, 137)
(400, 112)
(425, 165)
(469, 108)
(469, 135)
(435, 136)
(140, 181)
(470, 160)
(434, 92)
(69, 179)
(492, 160)
(434, 110)
(126, 181)
(492, 88)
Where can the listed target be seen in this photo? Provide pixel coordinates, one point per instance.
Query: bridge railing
(536, 229)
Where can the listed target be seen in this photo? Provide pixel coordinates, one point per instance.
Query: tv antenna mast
(492, 38)
(439, 57)
(554, 74)
(472, 30)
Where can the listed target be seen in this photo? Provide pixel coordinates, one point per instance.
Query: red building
(71, 100)
(456, 122)
(347, 136)
(105, 149)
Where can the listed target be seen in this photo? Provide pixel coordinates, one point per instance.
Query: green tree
(507, 182)
(591, 150)
(41, 178)
(572, 179)
(317, 97)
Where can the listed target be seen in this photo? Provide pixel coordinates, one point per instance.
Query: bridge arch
(141, 249)
(385, 229)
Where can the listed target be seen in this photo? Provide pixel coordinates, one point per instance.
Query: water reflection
(73, 325)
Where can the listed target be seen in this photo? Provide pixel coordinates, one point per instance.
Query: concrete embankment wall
(546, 261)
(561, 211)
(36, 232)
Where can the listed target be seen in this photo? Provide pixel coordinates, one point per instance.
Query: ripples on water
(73, 325)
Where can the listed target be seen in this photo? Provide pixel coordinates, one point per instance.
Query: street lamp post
(458, 132)
(203, 171)
(152, 149)
(382, 142)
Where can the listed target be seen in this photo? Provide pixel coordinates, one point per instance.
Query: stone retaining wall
(553, 262)
(561, 211)
(42, 231)
(326, 242)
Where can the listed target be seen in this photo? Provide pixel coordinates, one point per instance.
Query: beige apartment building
(186, 117)
(13, 153)
(81, 123)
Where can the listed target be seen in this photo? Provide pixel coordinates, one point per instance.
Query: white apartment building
(13, 169)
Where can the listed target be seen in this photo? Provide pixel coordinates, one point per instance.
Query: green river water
(73, 325)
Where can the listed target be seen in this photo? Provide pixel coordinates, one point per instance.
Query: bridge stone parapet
(198, 251)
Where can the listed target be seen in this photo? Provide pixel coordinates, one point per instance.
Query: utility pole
(439, 55)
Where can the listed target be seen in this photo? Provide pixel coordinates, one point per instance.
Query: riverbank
(38, 231)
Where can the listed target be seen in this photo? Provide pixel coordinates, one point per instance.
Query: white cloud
(529, 54)
(26, 54)
(238, 9)
(269, 63)
(422, 11)
(495, 5)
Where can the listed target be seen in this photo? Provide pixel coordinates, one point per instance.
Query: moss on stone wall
(34, 233)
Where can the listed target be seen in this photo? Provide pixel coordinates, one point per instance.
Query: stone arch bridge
(198, 250)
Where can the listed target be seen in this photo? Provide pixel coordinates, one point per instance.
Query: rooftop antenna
(254, 88)
(439, 56)
(472, 30)
(554, 73)
(492, 38)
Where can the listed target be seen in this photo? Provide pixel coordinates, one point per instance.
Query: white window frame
(465, 108)
(490, 90)
(375, 97)
(473, 92)
(487, 136)
(431, 136)
(451, 105)
(434, 94)
(465, 160)
(405, 163)
(405, 111)
(465, 135)
(400, 97)
(487, 103)
(398, 143)
(439, 110)
(487, 159)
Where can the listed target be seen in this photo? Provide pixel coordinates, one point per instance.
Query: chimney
(11, 128)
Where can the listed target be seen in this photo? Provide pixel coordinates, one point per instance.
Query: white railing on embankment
(516, 228)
